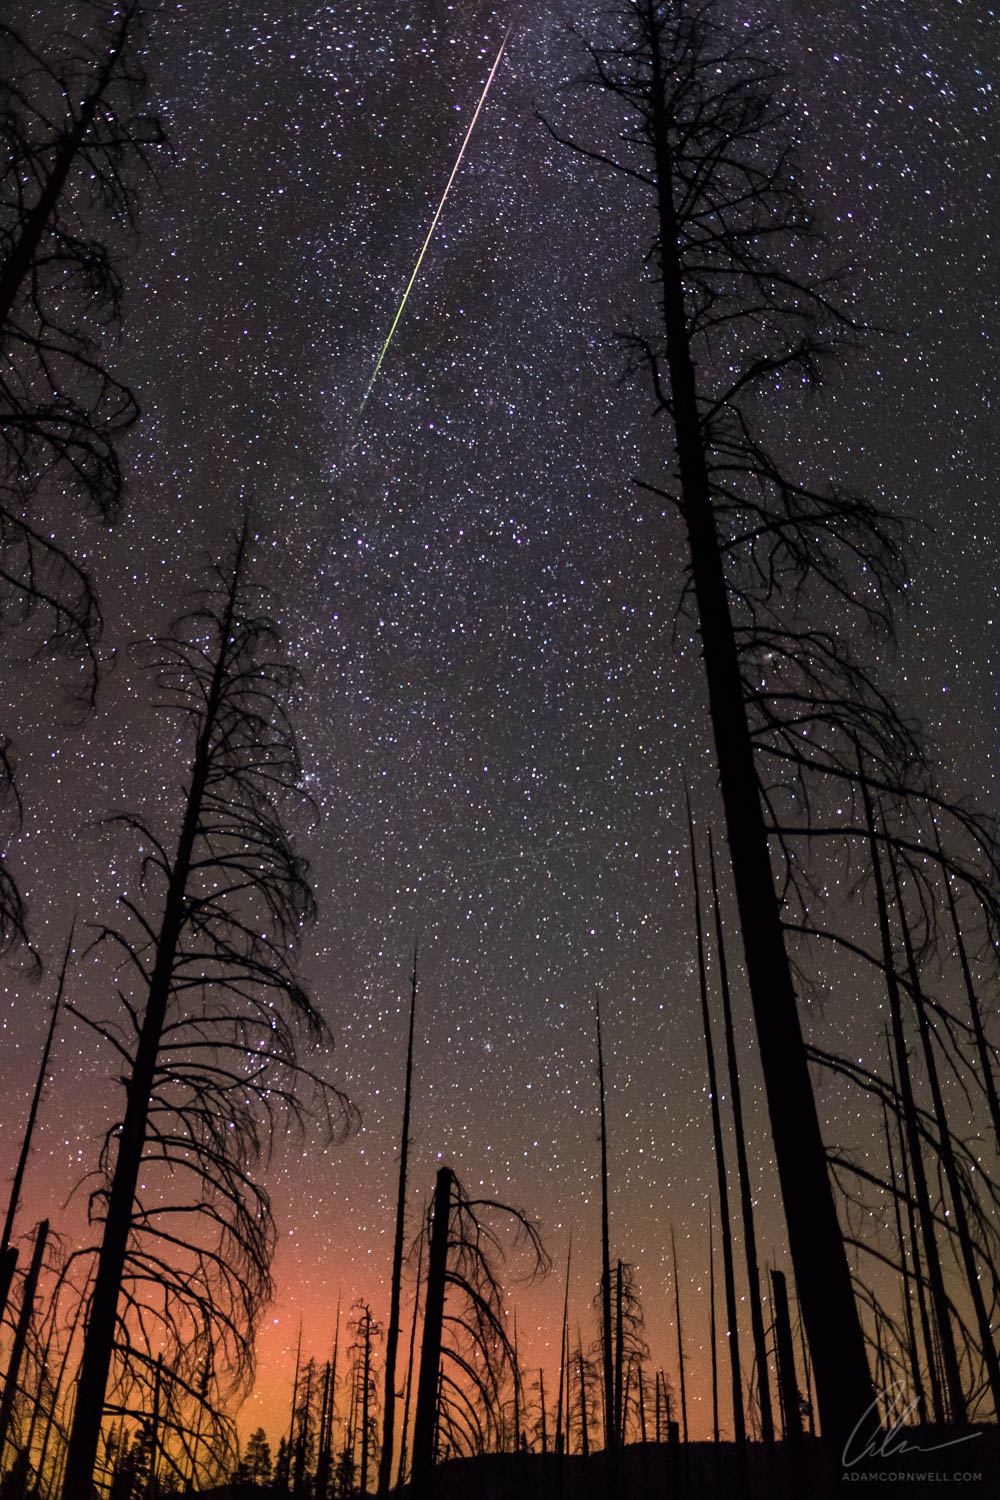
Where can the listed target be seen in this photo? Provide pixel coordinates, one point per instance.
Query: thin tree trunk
(843, 1380)
(152, 1487)
(953, 1379)
(804, 1355)
(366, 1402)
(401, 1473)
(729, 1280)
(563, 1352)
(609, 1386)
(51, 1419)
(913, 1353)
(22, 1160)
(937, 1397)
(712, 1334)
(517, 1394)
(619, 1354)
(425, 1423)
(99, 1339)
(392, 1331)
(584, 1425)
(982, 1046)
(305, 1412)
(680, 1339)
(21, 1332)
(295, 1403)
(743, 1169)
(787, 1385)
(988, 1347)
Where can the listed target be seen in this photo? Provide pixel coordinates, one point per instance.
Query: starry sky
(496, 719)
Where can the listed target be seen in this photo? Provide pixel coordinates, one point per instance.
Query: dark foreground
(702, 1471)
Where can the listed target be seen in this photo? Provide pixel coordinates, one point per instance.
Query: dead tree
(74, 146)
(680, 1336)
(607, 1361)
(743, 1169)
(392, 1332)
(732, 1322)
(210, 1010)
(364, 1397)
(705, 137)
(8, 1256)
(466, 1354)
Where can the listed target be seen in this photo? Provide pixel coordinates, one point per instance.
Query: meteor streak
(430, 232)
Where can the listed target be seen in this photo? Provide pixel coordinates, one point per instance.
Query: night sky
(496, 721)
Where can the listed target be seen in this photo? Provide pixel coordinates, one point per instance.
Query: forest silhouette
(869, 1352)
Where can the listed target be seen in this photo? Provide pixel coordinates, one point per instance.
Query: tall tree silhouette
(74, 146)
(607, 1358)
(740, 314)
(729, 1282)
(8, 1255)
(467, 1354)
(743, 1169)
(392, 1332)
(210, 1011)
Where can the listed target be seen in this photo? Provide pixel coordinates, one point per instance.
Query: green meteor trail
(430, 232)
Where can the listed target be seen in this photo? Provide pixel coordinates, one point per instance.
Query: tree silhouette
(782, 574)
(210, 1007)
(392, 1332)
(74, 144)
(467, 1355)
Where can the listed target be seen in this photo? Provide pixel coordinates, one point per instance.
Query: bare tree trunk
(21, 1332)
(804, 1354)
(64, 1364)
(680, 1339)
(541, 1397)
(392, 1331)
(712, 1330)
(953, 1379)
(606, 1354)
(409, 1372)
(584, 1425)
(743, 1168)
(425, 1423)
(517, 1394)
(366, 1401)
(937, 1396)
(989, 1351)
(982, 1046)
(913, 1353)
(843, 1380)
(619, 1353)
(152, 1487)
(729, 1282)
(304, 1413)
(787, 1385)
(563, 1354)
(29, 1129)
(99, 1340)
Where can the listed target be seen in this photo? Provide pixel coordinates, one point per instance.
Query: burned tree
(392, 1332)
(74, 146)
(783, 575)
(467, 1354)
(210, 1011)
